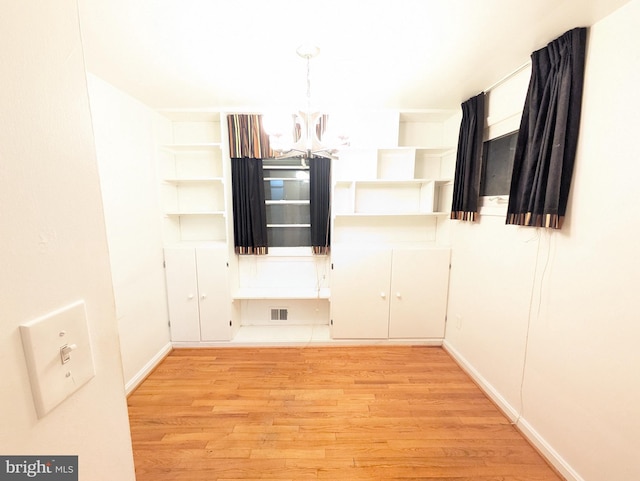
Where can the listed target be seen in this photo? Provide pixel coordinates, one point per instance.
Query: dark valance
(548, 136)
(466, 184)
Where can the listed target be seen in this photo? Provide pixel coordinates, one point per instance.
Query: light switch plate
(52, 380)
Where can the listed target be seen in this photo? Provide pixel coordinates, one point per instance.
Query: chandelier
(306, 136)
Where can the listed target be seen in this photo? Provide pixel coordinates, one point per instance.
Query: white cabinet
(360, 282)
(198, 293)
(418, 293)
(379, 293)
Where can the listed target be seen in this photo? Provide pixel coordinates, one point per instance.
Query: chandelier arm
(309, 143)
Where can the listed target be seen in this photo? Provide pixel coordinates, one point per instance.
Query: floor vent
(279, 314)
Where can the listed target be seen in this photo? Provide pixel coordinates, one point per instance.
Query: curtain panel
(319, 200)
(249, 210)
(548, 136)
(466, 184)
(248, 145)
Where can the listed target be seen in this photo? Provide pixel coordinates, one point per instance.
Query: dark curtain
(249, 211)
(319, 199)
(548, 136)
(248, 145)
(466, 184)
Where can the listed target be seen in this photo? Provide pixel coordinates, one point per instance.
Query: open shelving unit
(390, 197)
(193, 180)
(406, 188)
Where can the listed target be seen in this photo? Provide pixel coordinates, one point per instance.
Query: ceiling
(378, 54)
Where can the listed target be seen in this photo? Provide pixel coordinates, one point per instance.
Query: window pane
(283, 189)
(497, 165)
(286, 189)
(289, 236)
(288, 214)
(299, 173)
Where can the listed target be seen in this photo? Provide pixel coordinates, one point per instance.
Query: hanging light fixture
(307, 124)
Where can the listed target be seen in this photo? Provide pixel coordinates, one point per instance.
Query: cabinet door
(360, 293)
(214, 294)
(182, 294)
(419, 289)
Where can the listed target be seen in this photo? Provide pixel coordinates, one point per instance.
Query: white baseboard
(141, 375)
(548, 452)
(545, 449)
(488, 389)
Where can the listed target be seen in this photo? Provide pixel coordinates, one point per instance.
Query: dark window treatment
(319, 200)
(548, 136)
(466, 185)
(248, 145)
(249, 211)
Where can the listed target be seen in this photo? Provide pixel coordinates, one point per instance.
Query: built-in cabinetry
(198, 293)
(395, 293)
(390, 254)
(194, 196)
(387, 273)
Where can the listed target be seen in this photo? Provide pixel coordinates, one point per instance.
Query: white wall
(127, 135)
(52, 232)
(567, 301)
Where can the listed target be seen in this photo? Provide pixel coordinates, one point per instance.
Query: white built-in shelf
(387, 197)
(195, 213)
(435, 150)
(288, 225)
(192, 244)
(204, 180)
(286, 202)
(280, 293)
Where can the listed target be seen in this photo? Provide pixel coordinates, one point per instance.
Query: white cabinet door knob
(190, 296)
(203, 296)
(383, 294)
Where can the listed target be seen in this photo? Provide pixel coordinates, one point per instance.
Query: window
(497, 167)
(286, 192)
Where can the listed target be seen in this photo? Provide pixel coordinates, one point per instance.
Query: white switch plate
(53, 381)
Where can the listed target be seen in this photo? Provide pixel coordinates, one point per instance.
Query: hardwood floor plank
(334, 413)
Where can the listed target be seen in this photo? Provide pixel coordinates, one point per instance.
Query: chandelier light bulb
(308, 144)
(308, 51)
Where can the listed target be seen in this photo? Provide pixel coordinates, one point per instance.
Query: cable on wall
(536, 286)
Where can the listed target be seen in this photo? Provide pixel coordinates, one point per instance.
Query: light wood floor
(333, 413)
